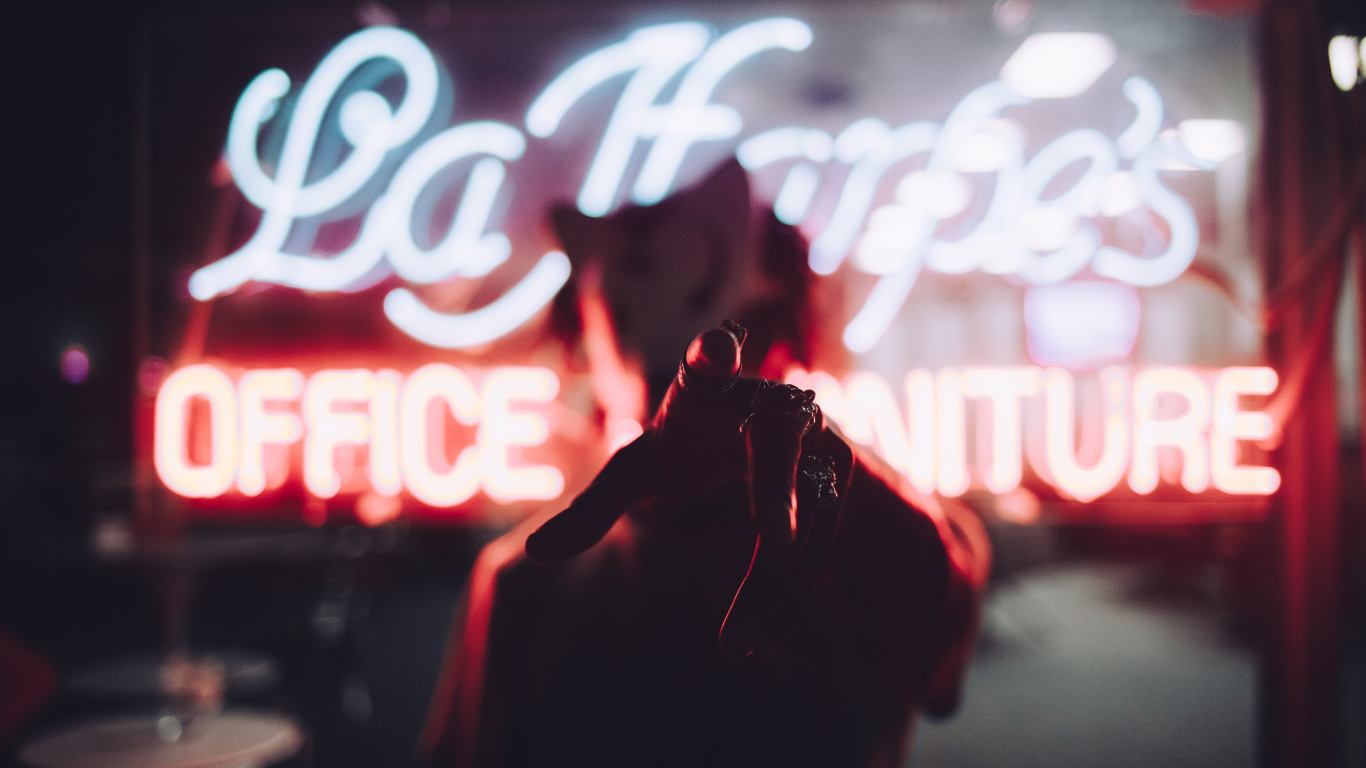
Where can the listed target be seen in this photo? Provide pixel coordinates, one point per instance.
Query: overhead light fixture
(1056, 65)
(1344, 59)
(1212, 140)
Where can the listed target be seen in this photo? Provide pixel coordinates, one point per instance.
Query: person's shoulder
(503, 567)
(503, 563)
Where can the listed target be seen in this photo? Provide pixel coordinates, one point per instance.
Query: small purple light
(75, 364)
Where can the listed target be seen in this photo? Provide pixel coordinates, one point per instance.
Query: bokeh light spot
(75, 364)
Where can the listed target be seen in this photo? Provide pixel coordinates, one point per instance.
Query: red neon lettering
(1003, 387)
(502, 429)
(1232, 425)
(170, 452)
(867, 412)
(328, 429)
(1183, 432)
(385, 476)
(951, 468)
(261, 427)
(421, 438)
(871, 416)
(1085, 484)
(392, 419)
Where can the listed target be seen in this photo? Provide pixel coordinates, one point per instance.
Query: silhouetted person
(645, 278)
(615, 634)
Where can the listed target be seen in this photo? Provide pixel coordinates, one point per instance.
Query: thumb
(624, 481)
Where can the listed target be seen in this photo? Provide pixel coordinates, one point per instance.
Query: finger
(780, 418)
(705, 384)
(773, 436)
(713, 358)
(780, 578)
(755, 600)
(698, 444)
(819, 511)
(773, 445)
(623, 482)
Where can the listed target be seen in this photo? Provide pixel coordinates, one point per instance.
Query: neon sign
(996, 186)
(929, 443)
(396, 419)
(977, 152)
(400, 422)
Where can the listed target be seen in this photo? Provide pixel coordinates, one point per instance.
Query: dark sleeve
(913, 568)
(473, 709)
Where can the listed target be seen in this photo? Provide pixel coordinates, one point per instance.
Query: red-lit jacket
(611, 658)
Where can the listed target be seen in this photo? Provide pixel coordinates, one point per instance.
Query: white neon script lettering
(1042, 241)
(373, 130)
(657, 54)
(367, 123)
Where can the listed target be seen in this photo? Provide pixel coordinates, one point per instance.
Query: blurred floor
(1088, 665)
(1090, 654)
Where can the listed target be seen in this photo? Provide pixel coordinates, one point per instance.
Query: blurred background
(1093, 268)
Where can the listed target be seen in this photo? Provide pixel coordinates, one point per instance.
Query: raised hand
(715, 428)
